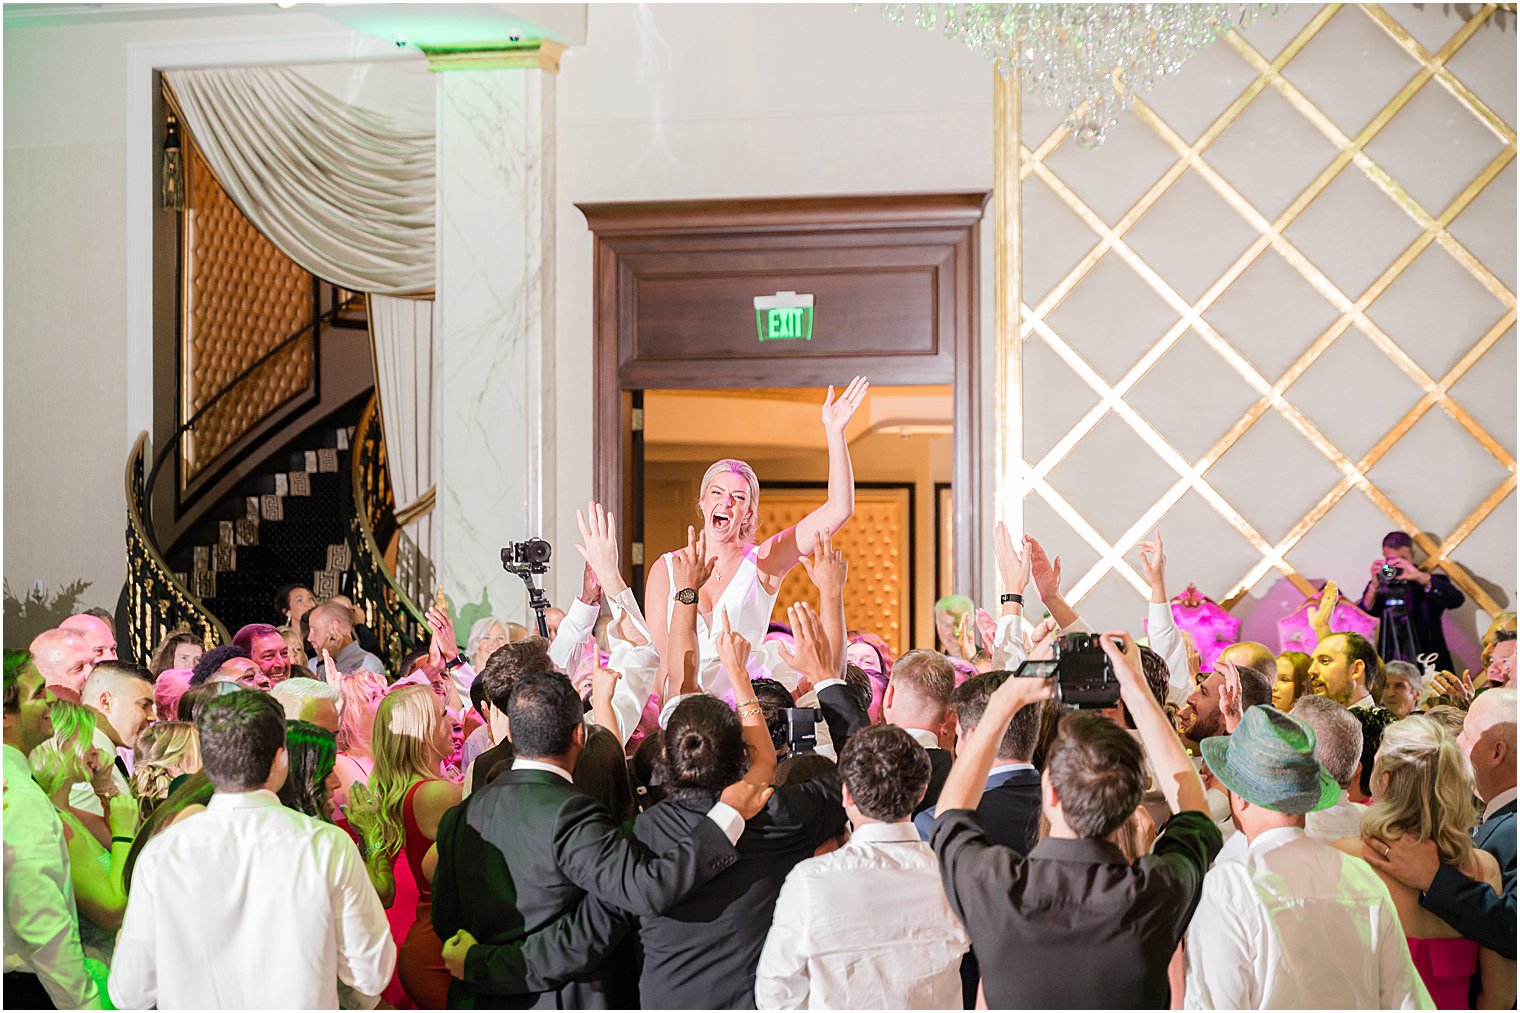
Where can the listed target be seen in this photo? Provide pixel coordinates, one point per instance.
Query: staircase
(285, 524)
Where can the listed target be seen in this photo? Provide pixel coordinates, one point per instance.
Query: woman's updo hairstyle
(704, 748)
(751, 522)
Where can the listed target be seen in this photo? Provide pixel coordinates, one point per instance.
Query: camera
(802, 728)
(1084, 676)
(531, 556)
(1388, 571)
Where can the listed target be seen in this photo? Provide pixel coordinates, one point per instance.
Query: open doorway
(901, 446)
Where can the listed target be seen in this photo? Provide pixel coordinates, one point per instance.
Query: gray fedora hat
(1269, 761)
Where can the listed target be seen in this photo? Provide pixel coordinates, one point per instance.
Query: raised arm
(1175, 773)
(1161, 627)
(828, 570)
(782, 551)
(1007, 644)
(1324, 611)
(679, 661)
(733, 653)
(1047, 580)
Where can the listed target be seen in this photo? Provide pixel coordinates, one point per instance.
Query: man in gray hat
(1291, 922)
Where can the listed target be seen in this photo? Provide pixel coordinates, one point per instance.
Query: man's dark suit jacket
(1074, 925)
(537, 872)
(1470, 906)
(702, 953)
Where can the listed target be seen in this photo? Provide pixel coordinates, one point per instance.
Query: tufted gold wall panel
(242, 297)
(875, 543)
(1329, 354)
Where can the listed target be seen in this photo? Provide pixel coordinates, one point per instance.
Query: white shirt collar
(1276, 837)
(1004, 768)
(1498, 802)
(260, 798)
(924, 738)
(1365, 701)
(521, 764)
(885, 833)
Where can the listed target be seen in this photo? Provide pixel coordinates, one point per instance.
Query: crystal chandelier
(1089, 59)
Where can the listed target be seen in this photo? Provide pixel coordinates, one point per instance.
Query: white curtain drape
(402, 330)
(346, 193)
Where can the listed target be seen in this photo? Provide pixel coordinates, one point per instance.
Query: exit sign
(785, 316)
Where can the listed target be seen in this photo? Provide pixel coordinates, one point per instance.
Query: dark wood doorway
(894, 285)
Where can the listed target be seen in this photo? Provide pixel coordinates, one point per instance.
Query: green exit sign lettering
(785, 316)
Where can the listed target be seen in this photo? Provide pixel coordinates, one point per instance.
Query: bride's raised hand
(837, 412)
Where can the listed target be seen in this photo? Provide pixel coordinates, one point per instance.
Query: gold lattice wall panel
(876, 544)
(1274, 315)
(242, 298)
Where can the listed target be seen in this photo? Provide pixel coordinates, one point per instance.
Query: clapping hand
(1448, 684)
(445, 644)
(1229, 696)
(1324, 610)
(1045, 571)
(1013, 565)
(838, 412)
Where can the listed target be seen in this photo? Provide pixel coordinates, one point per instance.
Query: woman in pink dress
(1422, 787)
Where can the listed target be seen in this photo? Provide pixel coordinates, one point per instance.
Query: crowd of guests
(687, 810)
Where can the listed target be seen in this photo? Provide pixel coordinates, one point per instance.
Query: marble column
(494, 371)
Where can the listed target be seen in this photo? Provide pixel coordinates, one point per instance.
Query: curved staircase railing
(390, 609)
(158, 602)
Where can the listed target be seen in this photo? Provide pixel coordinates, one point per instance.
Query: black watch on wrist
(457, 661)
(1013, 598)
(687, 596)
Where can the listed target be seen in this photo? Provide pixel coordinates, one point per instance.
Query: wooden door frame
(614, 294)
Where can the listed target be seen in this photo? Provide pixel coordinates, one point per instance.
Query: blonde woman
(359, 695)
(163, 752)
(399, 813)
(292, 637)
(746, 574)
(95, 870)
(1424, 788)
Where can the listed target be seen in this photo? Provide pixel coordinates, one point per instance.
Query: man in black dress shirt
(1076, 925)
(1426, 596)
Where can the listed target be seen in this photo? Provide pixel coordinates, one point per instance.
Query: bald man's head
(64, 658)
(1250, 654)
(96, 632)
(1488, 739)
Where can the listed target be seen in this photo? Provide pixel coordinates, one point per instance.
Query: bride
(747, 575)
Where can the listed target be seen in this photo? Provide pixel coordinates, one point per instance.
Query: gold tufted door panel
(241, 298)
(877, 545)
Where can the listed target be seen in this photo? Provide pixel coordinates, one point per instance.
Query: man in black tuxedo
(917, 699)
(1467, 905)
(534, 877)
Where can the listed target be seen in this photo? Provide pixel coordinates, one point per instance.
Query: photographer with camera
(1409, 601)
(1074, 925)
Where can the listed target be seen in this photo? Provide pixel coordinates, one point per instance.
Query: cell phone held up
(1084, 676)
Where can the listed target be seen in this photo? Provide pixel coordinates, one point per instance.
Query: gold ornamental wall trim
(1019, 478)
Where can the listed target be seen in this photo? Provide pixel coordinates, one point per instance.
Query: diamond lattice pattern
(1263, 342)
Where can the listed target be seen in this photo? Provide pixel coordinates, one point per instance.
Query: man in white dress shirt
(1291, 923)
(43, 959)
(867, 926)
(249, 905)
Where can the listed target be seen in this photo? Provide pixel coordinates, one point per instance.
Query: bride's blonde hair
(1424, 788)
(751, 522)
